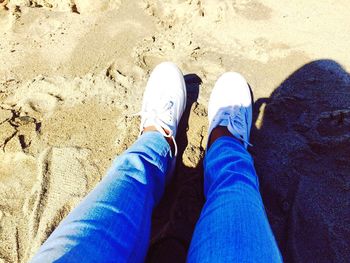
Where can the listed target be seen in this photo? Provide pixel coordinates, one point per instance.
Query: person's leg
(112, 224)
(233, 226)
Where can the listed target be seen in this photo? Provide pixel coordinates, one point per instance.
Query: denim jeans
(112, 223)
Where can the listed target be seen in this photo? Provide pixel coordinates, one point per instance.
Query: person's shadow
(302, 157)
(301, 138)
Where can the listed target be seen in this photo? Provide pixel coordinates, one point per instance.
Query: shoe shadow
(174, 219)
(301, 150)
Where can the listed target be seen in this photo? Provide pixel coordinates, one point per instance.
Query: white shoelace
(155, 117)
(235, 121)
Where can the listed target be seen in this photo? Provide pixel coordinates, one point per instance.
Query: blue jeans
(112, 223)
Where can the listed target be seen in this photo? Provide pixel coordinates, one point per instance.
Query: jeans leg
(233, 226)
(112, 223)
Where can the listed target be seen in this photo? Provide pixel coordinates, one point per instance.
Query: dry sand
(72, 72)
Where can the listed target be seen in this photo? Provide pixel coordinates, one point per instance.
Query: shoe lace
(156, 116)
(235, 117)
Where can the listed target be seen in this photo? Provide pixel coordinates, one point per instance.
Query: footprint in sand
(42, 103)
(37, 103)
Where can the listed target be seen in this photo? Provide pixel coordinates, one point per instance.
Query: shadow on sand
(301, 150)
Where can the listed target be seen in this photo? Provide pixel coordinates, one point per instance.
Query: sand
(72, 73)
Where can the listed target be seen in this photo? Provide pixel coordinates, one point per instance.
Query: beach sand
(72, 73)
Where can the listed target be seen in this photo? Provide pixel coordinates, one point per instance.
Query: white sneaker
(164, 100)
(230, 105)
